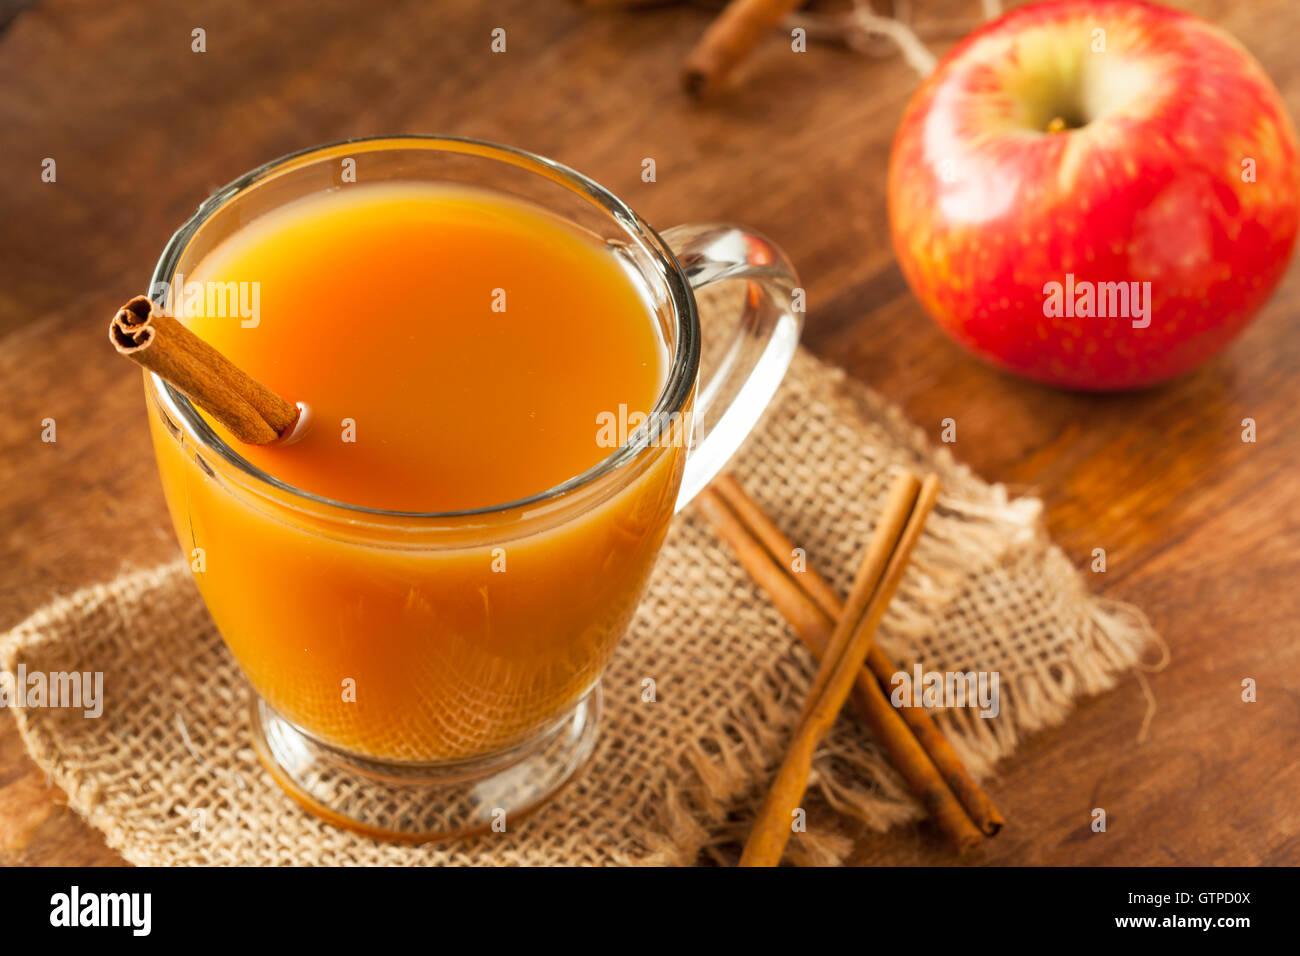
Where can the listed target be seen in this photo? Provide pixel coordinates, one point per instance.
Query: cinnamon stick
(250, 410)
(896, 534)
(794, 595)
(814, 625)
(729, 39)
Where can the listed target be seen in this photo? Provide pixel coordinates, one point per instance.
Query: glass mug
(471, 692)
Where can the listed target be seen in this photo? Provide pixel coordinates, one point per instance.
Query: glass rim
(673, 395)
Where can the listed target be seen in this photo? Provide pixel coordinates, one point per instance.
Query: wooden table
(1200, 528)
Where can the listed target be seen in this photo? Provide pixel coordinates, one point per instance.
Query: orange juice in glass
(500, 361)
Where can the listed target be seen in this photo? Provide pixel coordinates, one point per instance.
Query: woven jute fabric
(169, 775)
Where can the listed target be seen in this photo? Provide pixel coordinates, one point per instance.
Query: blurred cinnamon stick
(621, 4)
(729, 39)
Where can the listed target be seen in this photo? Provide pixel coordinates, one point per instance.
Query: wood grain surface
(1200, 528)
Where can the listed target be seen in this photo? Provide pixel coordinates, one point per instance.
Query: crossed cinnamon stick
(840, 636)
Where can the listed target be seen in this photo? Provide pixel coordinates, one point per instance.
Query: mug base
(420, 803)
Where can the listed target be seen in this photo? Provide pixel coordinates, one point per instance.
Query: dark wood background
(1200, 528)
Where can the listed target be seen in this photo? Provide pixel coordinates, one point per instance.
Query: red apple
(1097, 195)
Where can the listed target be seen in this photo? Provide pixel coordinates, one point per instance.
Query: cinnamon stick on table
(912, 741)
(158, 342)
(729, 39)
(908, 504)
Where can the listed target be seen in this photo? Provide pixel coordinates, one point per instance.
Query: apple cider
(458, 351)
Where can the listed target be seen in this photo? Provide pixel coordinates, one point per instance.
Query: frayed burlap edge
(979, 526)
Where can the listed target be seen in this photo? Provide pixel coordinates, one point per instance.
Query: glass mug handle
(735, 391)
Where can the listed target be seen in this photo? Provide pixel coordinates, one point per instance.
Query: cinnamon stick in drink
(252, 412)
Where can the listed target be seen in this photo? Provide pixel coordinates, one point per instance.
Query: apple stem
(1057, 125)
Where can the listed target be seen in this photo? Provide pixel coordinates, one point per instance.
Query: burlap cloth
(672, 781)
